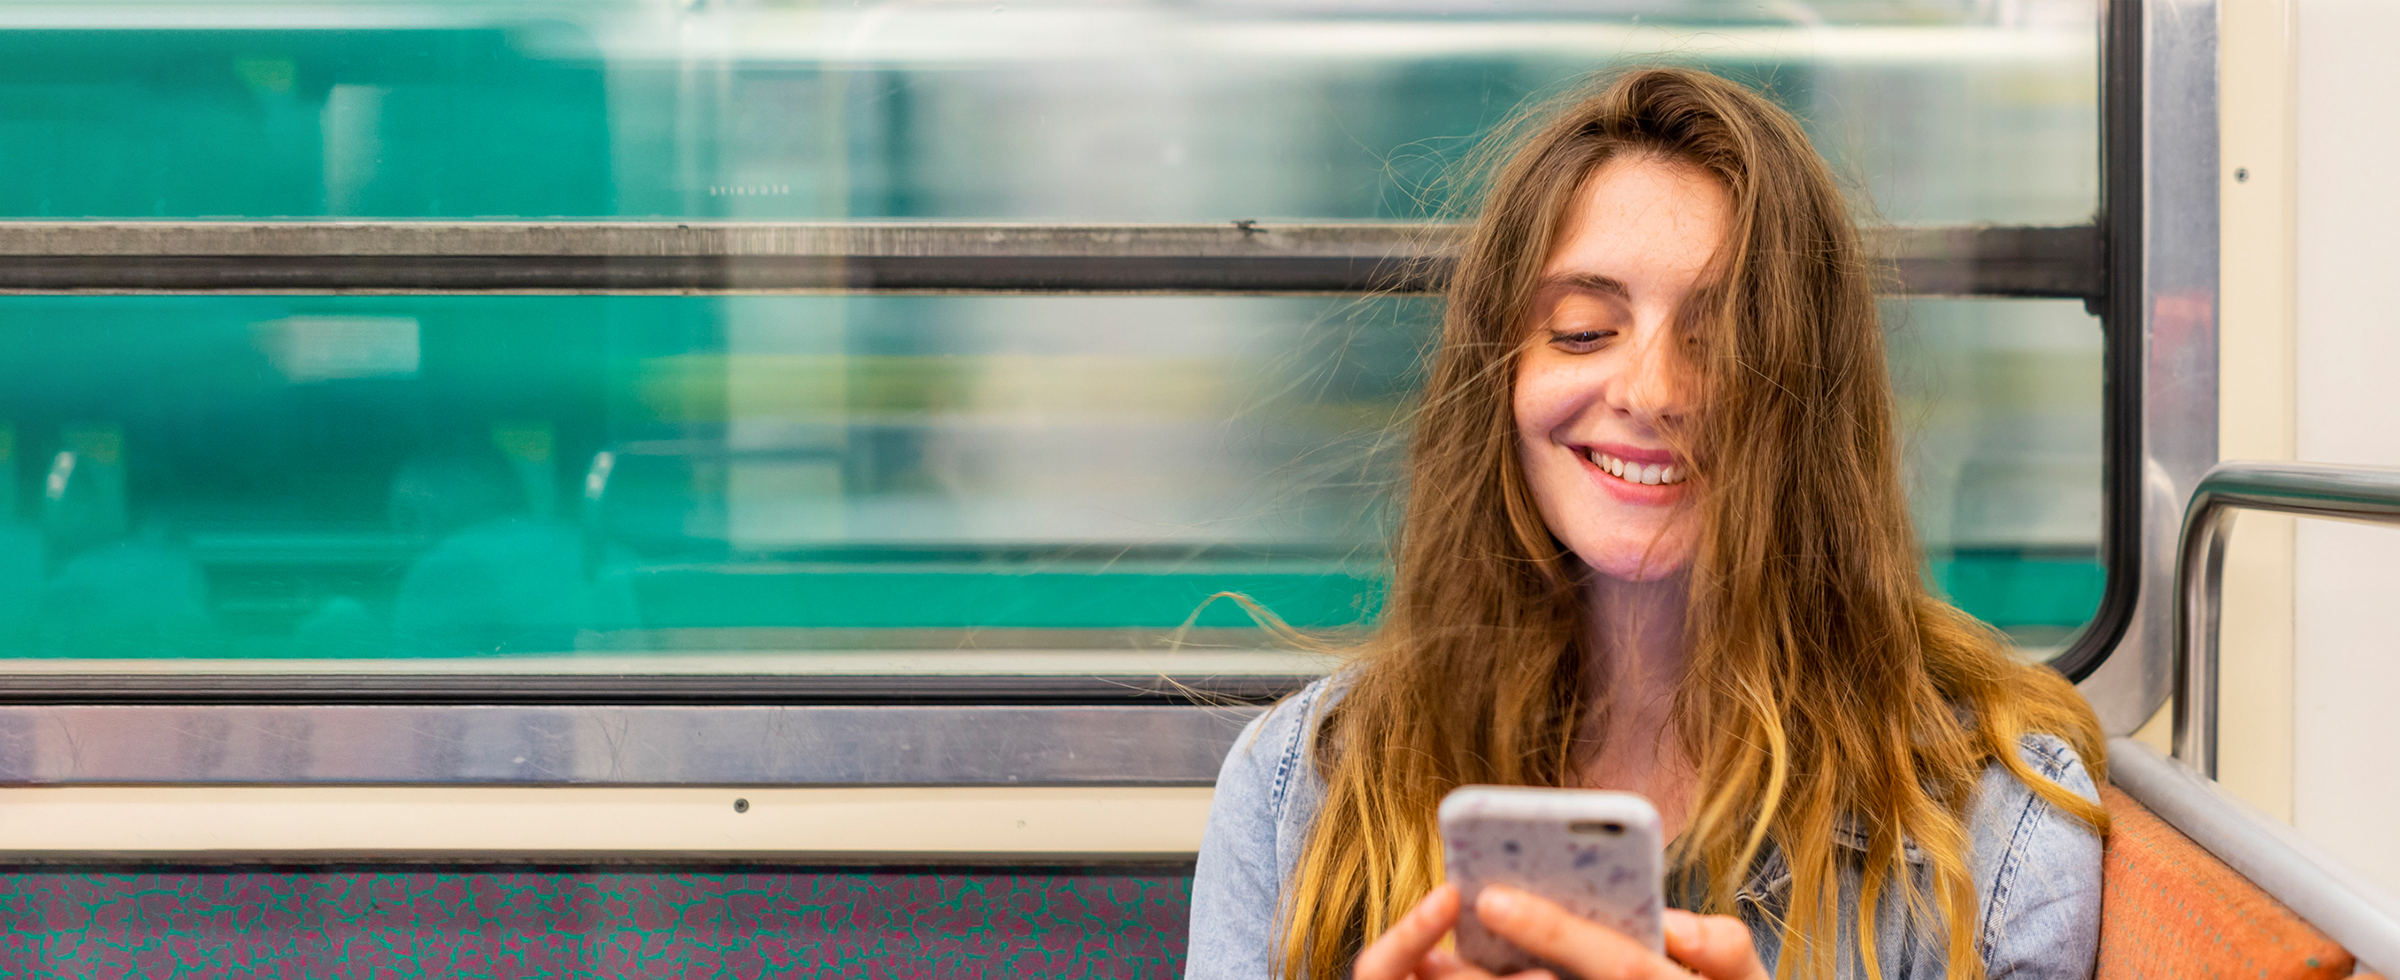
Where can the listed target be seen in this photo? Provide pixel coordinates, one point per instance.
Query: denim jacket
(2037, 869)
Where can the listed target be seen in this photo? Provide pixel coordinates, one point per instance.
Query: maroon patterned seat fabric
(622, 922)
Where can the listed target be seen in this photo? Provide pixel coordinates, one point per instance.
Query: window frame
(2155, 236)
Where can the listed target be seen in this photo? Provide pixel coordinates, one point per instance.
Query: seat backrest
(2170, 909)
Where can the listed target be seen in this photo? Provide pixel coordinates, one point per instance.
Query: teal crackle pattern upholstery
(582, 922)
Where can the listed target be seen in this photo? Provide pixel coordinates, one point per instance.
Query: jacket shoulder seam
(2012, 861)
(2052, 756)
(1288, 755)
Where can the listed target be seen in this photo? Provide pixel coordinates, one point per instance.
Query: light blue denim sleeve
(1244, 855)
(2041, 888)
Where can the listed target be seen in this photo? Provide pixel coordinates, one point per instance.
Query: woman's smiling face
(1604, 379)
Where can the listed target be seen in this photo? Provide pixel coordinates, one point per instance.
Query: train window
(456, 470)
(448, 477)
(2001, 406)
(1061, 110)
(445, 477)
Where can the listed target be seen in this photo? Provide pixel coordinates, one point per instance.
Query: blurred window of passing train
(765, 482)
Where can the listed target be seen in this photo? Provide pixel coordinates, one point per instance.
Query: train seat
(2170, 909)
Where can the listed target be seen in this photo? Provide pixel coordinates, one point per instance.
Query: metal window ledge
(571, 687)
(652, 745)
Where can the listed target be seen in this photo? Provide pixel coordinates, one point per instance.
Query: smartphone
(1598, 853)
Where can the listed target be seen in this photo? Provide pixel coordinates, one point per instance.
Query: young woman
(1655, 540)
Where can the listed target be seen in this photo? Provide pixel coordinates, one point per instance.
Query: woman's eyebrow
(1585, 282)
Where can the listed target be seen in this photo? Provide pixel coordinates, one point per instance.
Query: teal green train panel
(2024, 593)
(582, 922)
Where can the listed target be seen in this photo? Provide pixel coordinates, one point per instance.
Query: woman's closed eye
(1580, 319)
(1580, 341)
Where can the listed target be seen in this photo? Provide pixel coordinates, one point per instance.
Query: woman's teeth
(1648, 474)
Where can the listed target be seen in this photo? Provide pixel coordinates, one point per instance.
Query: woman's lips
(1631, 468)
(1635, 476)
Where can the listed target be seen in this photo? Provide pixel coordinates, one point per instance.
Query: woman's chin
(1644, 565)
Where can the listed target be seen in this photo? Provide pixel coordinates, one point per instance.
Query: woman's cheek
(1546, 396)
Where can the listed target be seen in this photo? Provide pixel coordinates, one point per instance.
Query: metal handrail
(2355, 912)
(2351, 493)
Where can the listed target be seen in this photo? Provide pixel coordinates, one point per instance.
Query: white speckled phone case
(1595, 852)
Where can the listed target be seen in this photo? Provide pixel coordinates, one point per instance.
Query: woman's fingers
(1442, 964)
(1719, 946)
(1716, 946)
(1397, 953)
(1587, 949)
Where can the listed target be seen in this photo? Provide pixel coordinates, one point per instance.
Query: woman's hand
(1714, 946)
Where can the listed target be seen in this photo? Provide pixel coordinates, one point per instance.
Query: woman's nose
(1657, 384)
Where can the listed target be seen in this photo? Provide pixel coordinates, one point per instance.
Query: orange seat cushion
(2169, 909)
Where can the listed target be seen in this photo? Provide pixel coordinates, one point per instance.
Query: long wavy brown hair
(1824, 686)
